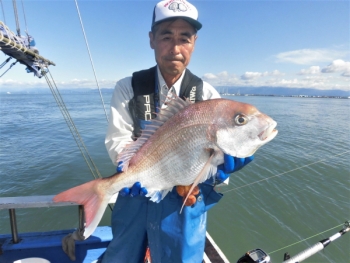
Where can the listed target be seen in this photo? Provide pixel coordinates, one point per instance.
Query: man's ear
(195, 39)
(151, 39)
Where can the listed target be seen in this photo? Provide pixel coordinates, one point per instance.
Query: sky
(296, 44)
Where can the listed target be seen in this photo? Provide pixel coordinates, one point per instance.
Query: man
(136, 221)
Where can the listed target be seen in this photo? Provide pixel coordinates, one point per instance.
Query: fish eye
(241, 119)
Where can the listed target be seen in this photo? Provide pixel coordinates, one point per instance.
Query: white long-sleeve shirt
(120, 127)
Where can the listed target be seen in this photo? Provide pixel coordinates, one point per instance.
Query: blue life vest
(146, 95)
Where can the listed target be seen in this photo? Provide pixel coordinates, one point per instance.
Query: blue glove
(231, 164)
(135, 190)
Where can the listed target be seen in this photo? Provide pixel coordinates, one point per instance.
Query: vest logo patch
(148, 114)
(193, 94)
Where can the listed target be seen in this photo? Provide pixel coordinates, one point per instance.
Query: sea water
(295, 192)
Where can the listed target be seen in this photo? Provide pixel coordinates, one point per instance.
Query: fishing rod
(317, 247)
(259, 256)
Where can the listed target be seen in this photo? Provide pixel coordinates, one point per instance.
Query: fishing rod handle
(305, 254)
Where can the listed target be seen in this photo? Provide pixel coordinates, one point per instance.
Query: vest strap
(142, 105)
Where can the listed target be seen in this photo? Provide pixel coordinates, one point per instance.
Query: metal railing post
(81, 217)
(13, 221)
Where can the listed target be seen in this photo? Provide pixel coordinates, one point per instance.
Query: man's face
(173, 44)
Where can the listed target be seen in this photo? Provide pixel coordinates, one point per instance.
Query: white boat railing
(13, 203)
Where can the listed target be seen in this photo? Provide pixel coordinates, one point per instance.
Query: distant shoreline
(242, 93)
(287, 96)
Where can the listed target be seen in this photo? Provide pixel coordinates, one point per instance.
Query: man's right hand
(183, 191)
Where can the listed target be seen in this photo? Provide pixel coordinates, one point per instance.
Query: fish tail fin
(94, 202)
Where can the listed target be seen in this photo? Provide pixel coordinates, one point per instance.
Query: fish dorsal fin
(174, 105)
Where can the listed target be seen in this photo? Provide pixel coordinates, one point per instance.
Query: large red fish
(182, 146)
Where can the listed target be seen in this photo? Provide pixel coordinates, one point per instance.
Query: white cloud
(310, 56)
(223, 74)
(346, 74)
(255, 75)
(209, 76)
(220, 79)
(288, 82)
(276, 73)
(307, 78)
(338, 65)
(312, 70)
(251, 75)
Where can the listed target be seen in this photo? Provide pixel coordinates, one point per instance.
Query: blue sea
(295, 192)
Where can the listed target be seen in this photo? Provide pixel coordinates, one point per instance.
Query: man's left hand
(135, 190)
(231, 164)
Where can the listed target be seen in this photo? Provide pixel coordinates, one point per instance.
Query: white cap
(168, 9)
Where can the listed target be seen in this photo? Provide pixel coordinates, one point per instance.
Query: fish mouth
(269, 133)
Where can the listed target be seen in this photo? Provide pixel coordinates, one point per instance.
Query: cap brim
(193, 22)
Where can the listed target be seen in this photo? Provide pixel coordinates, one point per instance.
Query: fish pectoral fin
(157, 196)
(202, 175)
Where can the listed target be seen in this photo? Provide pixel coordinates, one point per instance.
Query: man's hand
(183, 190)
(231, 164)
(135, 190)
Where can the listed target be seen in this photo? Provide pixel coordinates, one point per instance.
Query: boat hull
(48, 245)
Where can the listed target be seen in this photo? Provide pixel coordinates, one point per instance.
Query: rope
(306, 239)
(92, 64)
(3, 12)
(73, 129)
(16, 17)
(14, 63)
(298, 168)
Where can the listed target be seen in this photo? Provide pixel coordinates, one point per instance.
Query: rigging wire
(3, 12)
(25, 19)
(14, 63)
(278, 175)
(16, 18)
(92, 64)
(5, 62)
(73, 129)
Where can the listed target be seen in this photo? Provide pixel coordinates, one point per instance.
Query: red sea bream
(182, 146)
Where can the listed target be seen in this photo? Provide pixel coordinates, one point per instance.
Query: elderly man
(138, 222)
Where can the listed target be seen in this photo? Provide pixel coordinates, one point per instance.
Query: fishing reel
(255, 256)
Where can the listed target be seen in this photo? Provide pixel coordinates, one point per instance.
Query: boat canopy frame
(23, 50)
